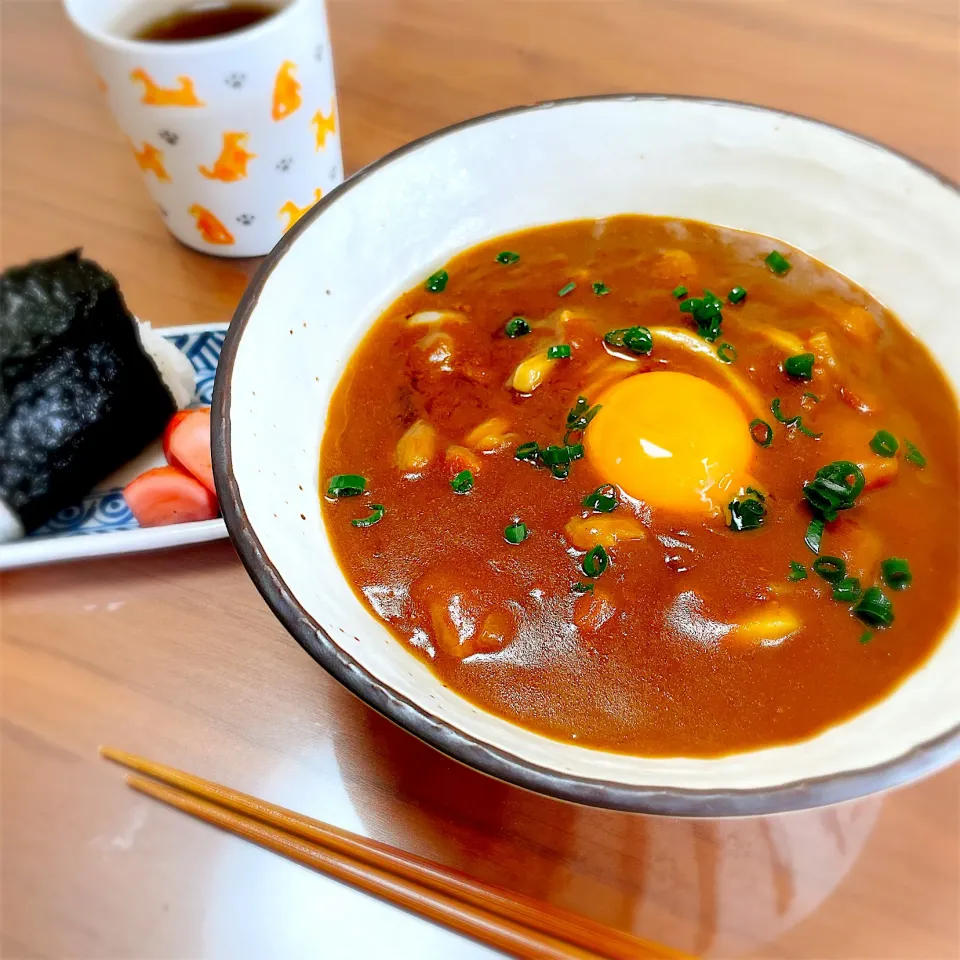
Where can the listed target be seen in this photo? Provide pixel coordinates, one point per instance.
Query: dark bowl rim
(921, 760)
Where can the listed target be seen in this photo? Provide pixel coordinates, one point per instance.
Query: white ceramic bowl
(885, 221)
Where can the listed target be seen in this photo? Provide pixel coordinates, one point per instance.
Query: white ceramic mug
(236, 135)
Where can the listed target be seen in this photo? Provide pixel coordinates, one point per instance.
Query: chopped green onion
(865, 637)
(832, 569)
(707, 314)
(812, 397)
(517, 532)
(727, 352)
(558, 458)
(561, 453)
(517, 327)
(746, 513)
(614, 337)
(884, 444)
(637, 340)
(806, 431)
(554, 454)
(796, 421)
(800, 366)
(462, 482)
(781, 418)
(578, 419)
(777, 262)
(604, 499)
(797, 571)
(577, 410)
(874, 608)
(835, 487)
(376, 515)
(528, 451)
(590, 414)
(566, 288)
(680, 292)
(595, 562)
(896, 573)
(346, 485)
(600, 288)
(737, 295)
(914, 456)
(581, 587)
(761, 432)
(559, 352)
(437, 282)
(847, 590)
(814, 535)
(581, 414)
(508, 256)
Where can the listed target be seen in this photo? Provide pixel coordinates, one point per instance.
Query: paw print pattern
(284, 164)
(169, 137)
(246, 219)
(235, 80)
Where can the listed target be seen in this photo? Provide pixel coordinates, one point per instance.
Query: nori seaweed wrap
(79, 396)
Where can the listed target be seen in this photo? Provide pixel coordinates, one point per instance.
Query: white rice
(174, 368)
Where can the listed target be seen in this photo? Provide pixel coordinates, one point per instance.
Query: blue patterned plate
(103, 524)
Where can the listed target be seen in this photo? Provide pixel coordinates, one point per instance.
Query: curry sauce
(702, 634)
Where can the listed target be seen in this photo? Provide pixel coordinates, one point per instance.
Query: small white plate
(103, 524)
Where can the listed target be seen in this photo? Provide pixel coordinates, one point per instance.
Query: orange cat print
(154, 95)
(325, 124)
(150, 160)
(211, 229)
(231, 165)
(292, 213)
(286, 91)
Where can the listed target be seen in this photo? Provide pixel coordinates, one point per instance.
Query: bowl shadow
(707, 887)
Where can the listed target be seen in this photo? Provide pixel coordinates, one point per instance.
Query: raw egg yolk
(671, 440)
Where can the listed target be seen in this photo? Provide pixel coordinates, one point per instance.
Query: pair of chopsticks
(517, 924)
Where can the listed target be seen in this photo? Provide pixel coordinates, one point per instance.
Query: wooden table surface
(175, 655)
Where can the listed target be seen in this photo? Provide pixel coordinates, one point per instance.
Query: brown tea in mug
(201, 21)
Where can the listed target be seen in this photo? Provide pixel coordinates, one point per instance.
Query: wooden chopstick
(479, 924)
(517, 909)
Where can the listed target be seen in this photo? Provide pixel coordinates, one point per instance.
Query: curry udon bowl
(882, 220)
